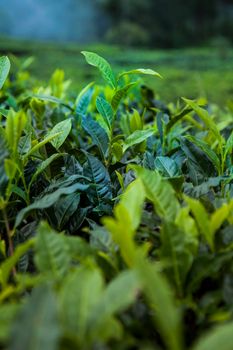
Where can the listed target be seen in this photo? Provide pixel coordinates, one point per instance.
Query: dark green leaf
(48, 200)
(167, 166)
(101, 192)
(198, 160)
(65, 207)
(98, 134)
(83, 100)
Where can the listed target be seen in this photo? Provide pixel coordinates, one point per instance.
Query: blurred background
(188, 42)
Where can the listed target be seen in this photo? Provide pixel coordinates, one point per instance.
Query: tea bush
(116, 216)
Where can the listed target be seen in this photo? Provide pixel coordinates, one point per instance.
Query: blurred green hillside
(193, 72)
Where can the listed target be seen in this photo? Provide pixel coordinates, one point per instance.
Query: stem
(110, 141)
(26, 189)
(8, 231)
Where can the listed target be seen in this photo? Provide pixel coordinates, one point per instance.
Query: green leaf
(166, 313)
(176, 252)
(51, 252)
(65, 207)
(206, 265)
(205, 117)
(17, 190)
(119, 95)
(48, 200)
(167, 166)
(27, 62)
(101, 192)
(122, 233)
(205, 187)
(136, 121)
(4, 112)
(79, 248)
(127, 219)
(187, 224)
(117, 153)
(83, 100)
(219, 216)
(9, 263)
(160, 126)
(119, 295)
(105, 109)
(221, 337)
(40, 144)
(8, 314)
(229, 145)
(198, 161)
(49, 98)
(10, 168)
(98, 134)
(132, 200)
(39, 317)
(207, 150)
(137, 137)
(25, 144)
(202, 219)
(14, 127)
(104, 67)
(43, 165)
(80, 292)
(176, 119)
(62, 131)
(4, 69)
(3, 155)
(160, 192)
(141, 71)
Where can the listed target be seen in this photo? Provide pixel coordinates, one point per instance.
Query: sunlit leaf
(104, 67)
(4, 69)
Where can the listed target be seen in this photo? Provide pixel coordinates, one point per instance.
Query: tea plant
(116, 216)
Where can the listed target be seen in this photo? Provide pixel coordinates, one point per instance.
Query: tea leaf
(4, 69)
(160, 192)
(137, 137)
(105, 109)
(97, 133)
(104, 67)
(39, 316)
(62, 131)
(51, 252)
(141, 71)
(220, 337)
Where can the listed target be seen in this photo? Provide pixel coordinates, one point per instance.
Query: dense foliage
(169, 23)
(116, 216)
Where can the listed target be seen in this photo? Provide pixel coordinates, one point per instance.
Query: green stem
(110, 141)
(8, 232)
(26, 189)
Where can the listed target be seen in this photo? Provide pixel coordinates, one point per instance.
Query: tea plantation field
(116, 207)
(198, 72)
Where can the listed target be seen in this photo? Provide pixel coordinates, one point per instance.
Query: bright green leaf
(4, 69)
(104, 67)
(62, 131)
